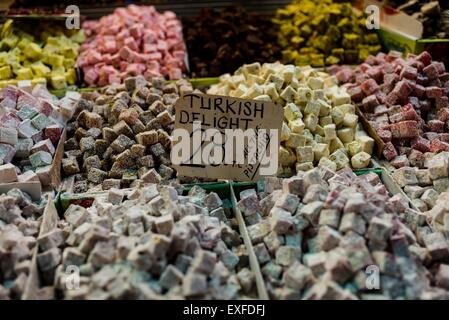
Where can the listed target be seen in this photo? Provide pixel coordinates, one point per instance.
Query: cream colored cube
(303, 96)
(254, 91)
(320, 150)
(253, 68)
(236, 80)
(311, 121)
(337, 116)
(295, 141)
(319, 130)
(241, 90)
(286, 157)
(340, 159)
(347, 108)
(346, 135)
(312, 107)
(340, 97)
(297, 125)
(315, 83)
(353, 148)
(330, 81)
(308, 136)
(304, 154)
(278, 81)
(270, 89)
(325, 120)
(288, 94)
(350, 120)
(330, 132)
(319, 138)
(285, 132)
(367, 144)
(360, 160)
(295, 84)
(255, 79)
(327, 163)
(263, 97)
(336, 144)
(325, 108)
(292, 112)
(319, 94)
(288, 72)
(306, 166)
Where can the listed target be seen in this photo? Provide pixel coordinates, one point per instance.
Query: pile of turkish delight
(31, 124)
(19, 227)
(405, 100)
(136, 40)
(316, 235)
(320, 126)
(148, 243)
(121, 138)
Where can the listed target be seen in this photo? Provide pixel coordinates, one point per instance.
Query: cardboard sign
(224, 115)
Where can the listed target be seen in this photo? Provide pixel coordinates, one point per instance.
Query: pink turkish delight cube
(404, 129)
(436, 146)
(436, 126)
(389, 151)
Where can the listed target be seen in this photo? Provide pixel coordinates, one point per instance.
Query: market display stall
(89, 120)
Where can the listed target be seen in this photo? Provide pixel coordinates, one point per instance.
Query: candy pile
(221, 41)
(136, 40)
(406, 101)
(156, 244)
(439, 214)
(425, 184)
(315, 237)
(19, 227)
(122, 137)
(434, 15)
(320, 32)
(31, 125)
(320, 125)
(43, 53)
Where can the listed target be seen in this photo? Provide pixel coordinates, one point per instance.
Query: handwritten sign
(223, 137)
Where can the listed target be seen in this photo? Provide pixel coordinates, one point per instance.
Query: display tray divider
(49, 222)
(254, 264)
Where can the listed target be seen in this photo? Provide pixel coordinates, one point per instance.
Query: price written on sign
(223, 137)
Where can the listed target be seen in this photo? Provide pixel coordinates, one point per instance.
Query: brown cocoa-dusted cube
(146, 117)
(110, 184)
(93, 120)
(157, 107)
(109, 134)
(70, 166)
(153, 124)
(146, 161)
(91, 162)
(81, 133)
(96, 175)
(147, 138)
(152, 176)
(100, 147)
(71, 144)
(122, 128)
(152, 98)
(165, 118)
(130, 116)
(121, 143)
(164, 138)
(137, 151)
(87, 144)
(138, 127)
